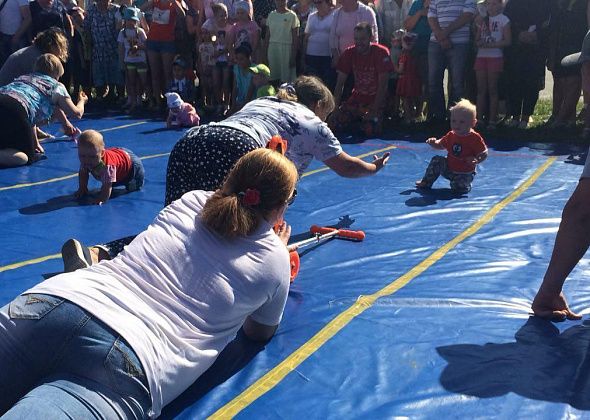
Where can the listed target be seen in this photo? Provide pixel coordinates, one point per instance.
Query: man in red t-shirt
(370, 65)
(465, 149)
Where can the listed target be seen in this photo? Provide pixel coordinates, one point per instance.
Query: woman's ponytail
(260, 182)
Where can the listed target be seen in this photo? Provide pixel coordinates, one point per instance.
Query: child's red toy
(321, 234)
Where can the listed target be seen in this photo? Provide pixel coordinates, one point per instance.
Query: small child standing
(409, 86)
(281, 42)
(243, 89)
(260, 81)
(219, 27)
(180, 83)
(395, 52)
(180, 114)
(132, 41)
(492, 35)
(465, 149)
(205, 65)
(245, 30)
(113, 167)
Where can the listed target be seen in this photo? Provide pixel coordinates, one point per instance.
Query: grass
(537, 131)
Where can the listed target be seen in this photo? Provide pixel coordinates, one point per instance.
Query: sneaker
(75, 256)
(422, 184)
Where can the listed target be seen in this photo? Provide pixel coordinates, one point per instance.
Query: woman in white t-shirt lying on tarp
(124, 338)
(205, 154)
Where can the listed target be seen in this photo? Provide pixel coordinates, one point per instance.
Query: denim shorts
(161, 46)
(58, 361)
(136, 177)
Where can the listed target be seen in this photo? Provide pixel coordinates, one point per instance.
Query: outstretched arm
(352, 167)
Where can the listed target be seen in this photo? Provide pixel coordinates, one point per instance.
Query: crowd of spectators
(383, 61)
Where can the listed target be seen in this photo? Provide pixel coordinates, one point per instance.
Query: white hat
(173, 100)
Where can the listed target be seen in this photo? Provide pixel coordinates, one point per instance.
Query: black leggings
(16, 129)
(200, 160)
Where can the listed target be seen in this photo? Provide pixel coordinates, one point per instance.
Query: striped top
(447, 11)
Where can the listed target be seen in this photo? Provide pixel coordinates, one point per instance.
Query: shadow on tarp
(235, 356)
(543, 364)
(430, 196)
(63, 201)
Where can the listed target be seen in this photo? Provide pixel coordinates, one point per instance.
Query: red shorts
(492, 64)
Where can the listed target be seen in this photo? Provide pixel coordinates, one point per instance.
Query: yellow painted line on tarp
(29, 262)
(122, 126)
(62, 178)
(278, 373)
(54, 256)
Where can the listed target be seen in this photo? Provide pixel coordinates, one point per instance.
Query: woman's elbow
(77, 113)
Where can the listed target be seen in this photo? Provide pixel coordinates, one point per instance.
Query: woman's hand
(39, 148)
(69, 129)
(82, 97)
(284, 232)
(380, 162)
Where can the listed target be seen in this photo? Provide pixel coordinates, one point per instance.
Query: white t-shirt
(129, 37)
(10, 17)
(493, 32)
(307, 136)
(179, 293)
(221, 35)
(318, 43)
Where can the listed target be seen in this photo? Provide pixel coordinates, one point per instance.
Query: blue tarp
(429, 317)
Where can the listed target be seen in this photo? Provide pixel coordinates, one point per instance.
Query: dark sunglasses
(292, 198)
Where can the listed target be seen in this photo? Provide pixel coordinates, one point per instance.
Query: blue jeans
(137, 175)
(438, 59)
(58, 361)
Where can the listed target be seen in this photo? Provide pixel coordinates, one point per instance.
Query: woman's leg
(156, 70)
(81, 367)
(226, 86)
(167, 60)
(572, 86)
(557, 100)
(131, 84)
(529, 99)
(217, 85)
(493, 78)
(11, 158)
(482, 94)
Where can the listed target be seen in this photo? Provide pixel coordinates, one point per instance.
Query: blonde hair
(465, 105)
(49, 65)
(91, 138)
(262, 170)
(218, 7)
(308, 90)
(52, 41)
